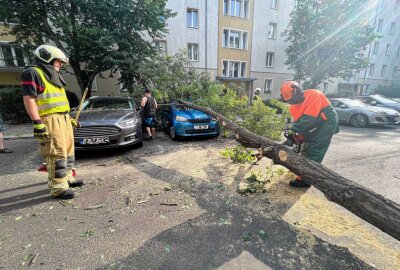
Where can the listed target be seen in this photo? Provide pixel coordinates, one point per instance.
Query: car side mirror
(343, 106)
(373, 103)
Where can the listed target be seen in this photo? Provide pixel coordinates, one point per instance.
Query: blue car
(180, 121)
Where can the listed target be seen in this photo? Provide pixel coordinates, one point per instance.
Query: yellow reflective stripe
(48, 95)
(52, 105)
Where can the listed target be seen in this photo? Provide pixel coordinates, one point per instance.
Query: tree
(98, 36)
(368, 205)
(328, 39)
(170, 77)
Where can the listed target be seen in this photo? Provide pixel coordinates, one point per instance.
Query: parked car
(358, 114)
(180, 121)
(380, 101)
(108, 122)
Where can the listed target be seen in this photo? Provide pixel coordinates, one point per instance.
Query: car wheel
(172, 132)
(359, 120)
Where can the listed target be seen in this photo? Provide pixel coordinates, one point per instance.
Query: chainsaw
(295, 141)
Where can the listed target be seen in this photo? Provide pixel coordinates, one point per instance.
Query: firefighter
(47, 105)
(315, 120)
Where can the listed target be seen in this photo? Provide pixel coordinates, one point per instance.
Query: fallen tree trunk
(368, 205)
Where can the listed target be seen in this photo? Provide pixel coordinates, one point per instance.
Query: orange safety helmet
(288, 89)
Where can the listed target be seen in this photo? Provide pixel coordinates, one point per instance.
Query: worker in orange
(315, 120)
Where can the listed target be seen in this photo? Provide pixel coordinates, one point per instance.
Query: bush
(12, 106)
(390, 91)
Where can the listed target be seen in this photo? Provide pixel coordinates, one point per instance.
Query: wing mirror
(343, 106)
(373, 103)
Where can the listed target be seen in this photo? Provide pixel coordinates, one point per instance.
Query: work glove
(39, 130)
(75, 124)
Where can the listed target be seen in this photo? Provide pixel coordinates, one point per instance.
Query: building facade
(384, 52)
(241, 41)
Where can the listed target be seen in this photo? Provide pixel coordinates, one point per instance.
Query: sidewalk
(19, 131)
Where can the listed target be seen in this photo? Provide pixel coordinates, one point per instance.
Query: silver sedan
(108, 122)
(358, 114)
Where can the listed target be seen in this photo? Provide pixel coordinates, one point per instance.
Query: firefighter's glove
(75, 124)
(39, 130)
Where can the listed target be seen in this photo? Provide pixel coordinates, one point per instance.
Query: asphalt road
(368, 156)
(208, 235)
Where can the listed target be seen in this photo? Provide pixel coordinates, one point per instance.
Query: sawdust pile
(336, 225)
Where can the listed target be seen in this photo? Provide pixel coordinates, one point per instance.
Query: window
(270, 59)
(192, 18)
(11, 56)
(226, 7)
(267, 86)
(366, 89)
(236, 69)
(376, 47)
(395, 71)
(326, 86)
(94, 85)
(161, 46)
(387, 49)
(371, 69)
(392, 28)
(380, 25)
(236, 8)
(383, 71)
(272, 31)
(234, 39)
(274, 4)
(193, 52)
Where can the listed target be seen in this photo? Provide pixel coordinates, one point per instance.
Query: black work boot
(67, 195)
(297, 183)
(76, 183)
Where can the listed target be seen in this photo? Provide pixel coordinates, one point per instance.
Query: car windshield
(182, 108)
(107, 104)
(354, 103)
(382, 99)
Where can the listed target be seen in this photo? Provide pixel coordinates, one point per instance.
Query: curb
(18, 137)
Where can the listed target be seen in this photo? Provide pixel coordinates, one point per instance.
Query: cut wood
(368, 205)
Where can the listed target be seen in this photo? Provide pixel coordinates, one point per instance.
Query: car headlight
(181, 119)
(213, 119)
(128, 123)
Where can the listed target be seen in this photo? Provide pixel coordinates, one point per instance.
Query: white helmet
(48, 53)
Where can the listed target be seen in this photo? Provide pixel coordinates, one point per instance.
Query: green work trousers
(317, 147)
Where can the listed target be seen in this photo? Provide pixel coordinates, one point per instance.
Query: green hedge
(390, 91)
(12, 106)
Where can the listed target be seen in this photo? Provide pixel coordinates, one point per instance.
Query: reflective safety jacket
(315, 116)
(53, 99)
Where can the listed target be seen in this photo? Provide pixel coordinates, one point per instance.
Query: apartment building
(13, 60)
(384, 52)
(235, 41)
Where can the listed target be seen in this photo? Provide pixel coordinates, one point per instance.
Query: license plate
(101, 140)
(201, 127)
